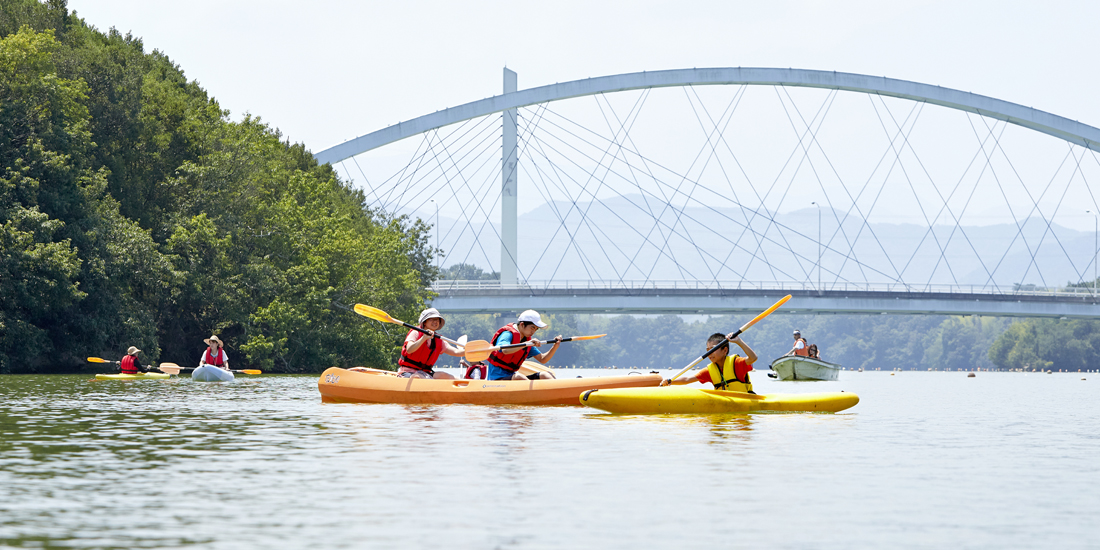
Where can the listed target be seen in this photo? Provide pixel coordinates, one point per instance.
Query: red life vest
(510, 361)
(211, 360)
(128, 365)
(424, 357)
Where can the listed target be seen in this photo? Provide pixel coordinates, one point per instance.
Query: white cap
(431, 313)
(532, 316)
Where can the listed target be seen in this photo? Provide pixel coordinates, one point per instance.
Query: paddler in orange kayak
(729, 373)
(421, 351)
(504, 364)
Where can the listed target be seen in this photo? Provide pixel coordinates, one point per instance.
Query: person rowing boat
(504, 364)
(421, 350)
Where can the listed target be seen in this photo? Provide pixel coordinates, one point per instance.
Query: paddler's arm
(682, 380)
(421, 338)
(544, 357)
(750, 356)
(453, 350)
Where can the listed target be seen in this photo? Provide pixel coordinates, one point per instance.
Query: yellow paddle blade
(171, 365)
(251, 371)
(169, 370)
(478, 350)
(97, 360)
(589, 337)
(375, 313)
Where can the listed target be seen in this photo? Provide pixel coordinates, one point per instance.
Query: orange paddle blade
(593, 337)
(478, 350)
(375, 313)
(97, 360)
(766, 312)
(251, 371)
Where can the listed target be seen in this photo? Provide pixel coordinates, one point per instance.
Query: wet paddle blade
(375, 313)
(478, 350)
(251, 371)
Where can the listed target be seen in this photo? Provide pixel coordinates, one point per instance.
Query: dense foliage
(1048, 344)
(133, 211)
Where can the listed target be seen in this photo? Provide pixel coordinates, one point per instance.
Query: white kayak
(207, 373)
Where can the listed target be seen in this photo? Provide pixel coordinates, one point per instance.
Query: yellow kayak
(139, 376)
(679, 400)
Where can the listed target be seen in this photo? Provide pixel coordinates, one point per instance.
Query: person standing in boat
(214, 355)
(420, 351)
(504, 364)
(726, 372)
(130, 364)
(801, 348)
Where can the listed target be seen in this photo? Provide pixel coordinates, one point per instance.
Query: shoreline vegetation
(135, 212)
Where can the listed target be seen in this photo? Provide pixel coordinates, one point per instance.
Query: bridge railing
(1014, 290)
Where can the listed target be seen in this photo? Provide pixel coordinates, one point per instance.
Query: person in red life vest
(726, 372)
(131, 364)
(504, 364)
(420, 351)
(214, 355)
(801, 348)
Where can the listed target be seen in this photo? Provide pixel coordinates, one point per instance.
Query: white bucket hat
(431, 313)
(133, 351)
(532, 316)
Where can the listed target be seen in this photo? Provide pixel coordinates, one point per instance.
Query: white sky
(326, 71)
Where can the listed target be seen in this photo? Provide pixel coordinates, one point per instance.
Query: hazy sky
(326, 71)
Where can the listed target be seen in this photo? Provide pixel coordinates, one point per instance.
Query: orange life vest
(510, 361)
(805, 351)
(424, 357)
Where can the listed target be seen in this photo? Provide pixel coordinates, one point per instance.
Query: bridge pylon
(509, 169)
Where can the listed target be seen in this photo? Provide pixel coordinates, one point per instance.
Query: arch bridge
(663, 219)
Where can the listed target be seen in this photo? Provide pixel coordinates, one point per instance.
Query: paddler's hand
(536, 342)
(733, 338)
(557, 341)
(666, 382)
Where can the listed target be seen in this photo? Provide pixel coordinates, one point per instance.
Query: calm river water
(927, 459)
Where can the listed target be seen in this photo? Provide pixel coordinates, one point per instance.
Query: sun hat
(133, 351)
(532, 316)
(431, 313)
(214, 339)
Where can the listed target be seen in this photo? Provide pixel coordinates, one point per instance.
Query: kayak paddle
(382, 316)
(98, 360)
(766, 312)
(479, 350)
(172, 368)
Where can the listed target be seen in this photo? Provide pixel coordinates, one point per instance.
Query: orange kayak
(378, 386)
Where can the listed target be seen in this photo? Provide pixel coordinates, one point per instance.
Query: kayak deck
(669, 400)
(375, 386)
(206, 373)
(139, 376)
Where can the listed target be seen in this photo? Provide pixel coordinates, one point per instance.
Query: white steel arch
(1034, 119)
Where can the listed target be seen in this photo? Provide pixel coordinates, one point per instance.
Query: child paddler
(504, 364)
(726, 372)
(421, 351)
(130, 364)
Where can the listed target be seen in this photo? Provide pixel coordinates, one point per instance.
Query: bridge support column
(508, 172)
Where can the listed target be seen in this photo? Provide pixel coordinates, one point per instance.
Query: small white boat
(793, 367)
(207, 373)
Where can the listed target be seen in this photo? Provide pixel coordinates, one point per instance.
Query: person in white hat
(504, 364)
(800, 347)
(131, 364)
(214, 355)
(420, 351)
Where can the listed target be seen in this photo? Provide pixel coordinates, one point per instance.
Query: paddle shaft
(731, 336)
(425, 331)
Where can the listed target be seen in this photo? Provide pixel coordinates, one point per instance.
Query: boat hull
(673, 400)
(792, 367)
(207, 373)
(374, 386)
(140, 376)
